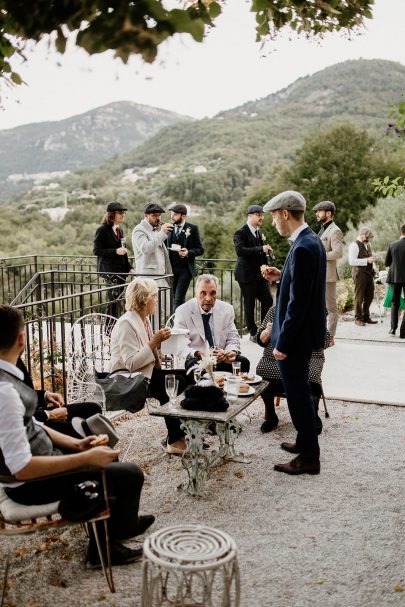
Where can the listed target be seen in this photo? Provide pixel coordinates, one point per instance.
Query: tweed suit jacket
(188, 238)
(300, 318)
(395, 260)
(151, 255)
(332, 240)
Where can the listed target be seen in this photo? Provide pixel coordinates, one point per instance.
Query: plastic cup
(232, 388)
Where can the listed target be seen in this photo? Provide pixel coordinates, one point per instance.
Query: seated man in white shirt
(30, 451)
(211, 325)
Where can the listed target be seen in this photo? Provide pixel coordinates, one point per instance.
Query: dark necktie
(321, 231)
(207, 329)
(118, 234)
(257, 234)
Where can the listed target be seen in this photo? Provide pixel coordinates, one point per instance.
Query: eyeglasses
(121, 212)
(259, 214)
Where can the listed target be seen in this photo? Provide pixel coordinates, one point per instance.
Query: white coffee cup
(176, 247)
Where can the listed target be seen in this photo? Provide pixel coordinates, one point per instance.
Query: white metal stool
(190, 566)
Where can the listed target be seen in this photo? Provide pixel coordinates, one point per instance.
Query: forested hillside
(217, 165)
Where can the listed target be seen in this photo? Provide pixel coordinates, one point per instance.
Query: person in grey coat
(395, 261)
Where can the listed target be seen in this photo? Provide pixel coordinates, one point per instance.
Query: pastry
(243, 388)
(100, 440)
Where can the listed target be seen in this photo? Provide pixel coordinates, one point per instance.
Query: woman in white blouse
(134, 347)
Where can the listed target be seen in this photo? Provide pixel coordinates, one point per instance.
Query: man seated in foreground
(211, 325)
(30, 451)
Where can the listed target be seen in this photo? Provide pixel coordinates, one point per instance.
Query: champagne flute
(171, 386)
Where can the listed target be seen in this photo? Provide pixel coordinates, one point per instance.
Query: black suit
(395, 259)
(184, 268)
(247, 272)
(105, 247)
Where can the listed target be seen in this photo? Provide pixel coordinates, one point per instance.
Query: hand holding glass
(171, 386)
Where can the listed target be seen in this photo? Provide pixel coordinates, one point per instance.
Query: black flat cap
(254, 208)
(115, 206)
(152, 207)
(325, 205)
(179, 208)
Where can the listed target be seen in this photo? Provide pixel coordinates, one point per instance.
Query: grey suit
(332, 240)
(151, 256)
(395, 260)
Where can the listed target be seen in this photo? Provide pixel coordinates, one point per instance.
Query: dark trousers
(181, 280)
(157, 390)
(397, 289)
(115, 306)
(258, 289)
(294, 373)
(276, 388)
(83, 410)
(363, 295)
(124, 485)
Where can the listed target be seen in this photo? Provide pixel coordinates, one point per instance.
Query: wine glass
(171, 386)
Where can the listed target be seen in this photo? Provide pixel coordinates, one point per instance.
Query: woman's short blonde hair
(138, 292)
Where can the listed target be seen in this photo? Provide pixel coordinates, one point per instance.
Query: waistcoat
(39, 440)
(363, 254)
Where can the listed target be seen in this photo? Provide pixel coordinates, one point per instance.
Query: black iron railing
(54, 291)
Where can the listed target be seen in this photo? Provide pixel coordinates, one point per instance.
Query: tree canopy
(138, 26)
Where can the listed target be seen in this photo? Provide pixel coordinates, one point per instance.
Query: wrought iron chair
(89, 351)
(18, 519)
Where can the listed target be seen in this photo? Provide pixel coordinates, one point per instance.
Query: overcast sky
(198, 80)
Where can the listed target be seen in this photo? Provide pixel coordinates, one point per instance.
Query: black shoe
(299, 466)
(144, 522)
(391, 332)
(120, 555)
(371, 322)
(269, 424)
(290, 447)
(253, 338)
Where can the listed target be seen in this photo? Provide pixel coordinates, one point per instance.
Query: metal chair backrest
(89, 352)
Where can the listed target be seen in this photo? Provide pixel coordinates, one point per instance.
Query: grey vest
(39, 440)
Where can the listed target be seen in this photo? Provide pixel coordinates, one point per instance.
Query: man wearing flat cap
(332, 239)
(363, 270)
(253, 252)
(148, 238)
(112, 255)
(184, 245)
(299, 325)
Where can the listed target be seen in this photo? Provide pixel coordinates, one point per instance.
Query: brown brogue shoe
(299, 466)
(360, 323)
(290, 447)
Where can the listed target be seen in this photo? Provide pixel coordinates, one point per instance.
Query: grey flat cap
(325, 205)
(289, 201)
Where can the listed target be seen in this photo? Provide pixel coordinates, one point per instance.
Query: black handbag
(129, 393)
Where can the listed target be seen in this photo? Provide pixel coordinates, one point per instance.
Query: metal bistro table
(195, 424)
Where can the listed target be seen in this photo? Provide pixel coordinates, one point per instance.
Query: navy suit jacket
(189, 238)
(300, 318)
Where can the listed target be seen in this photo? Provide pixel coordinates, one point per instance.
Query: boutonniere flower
(187, 232)
(208, 363)
(263, 237)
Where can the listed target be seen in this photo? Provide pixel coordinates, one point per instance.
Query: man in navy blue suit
(299, 325)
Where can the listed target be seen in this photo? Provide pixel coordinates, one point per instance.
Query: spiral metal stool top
(190, 566)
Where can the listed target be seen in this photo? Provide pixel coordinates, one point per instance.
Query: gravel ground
(331, 540)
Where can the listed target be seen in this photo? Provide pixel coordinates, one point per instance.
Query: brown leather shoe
(360, 323)
(290, 447)
(299, 466)
(371, 322)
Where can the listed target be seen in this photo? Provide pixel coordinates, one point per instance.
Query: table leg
(228, 433)
(194, 460)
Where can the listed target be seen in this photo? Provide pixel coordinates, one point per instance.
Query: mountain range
(29, 152)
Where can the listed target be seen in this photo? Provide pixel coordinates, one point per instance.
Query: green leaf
(16, 78)
(214, 10)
